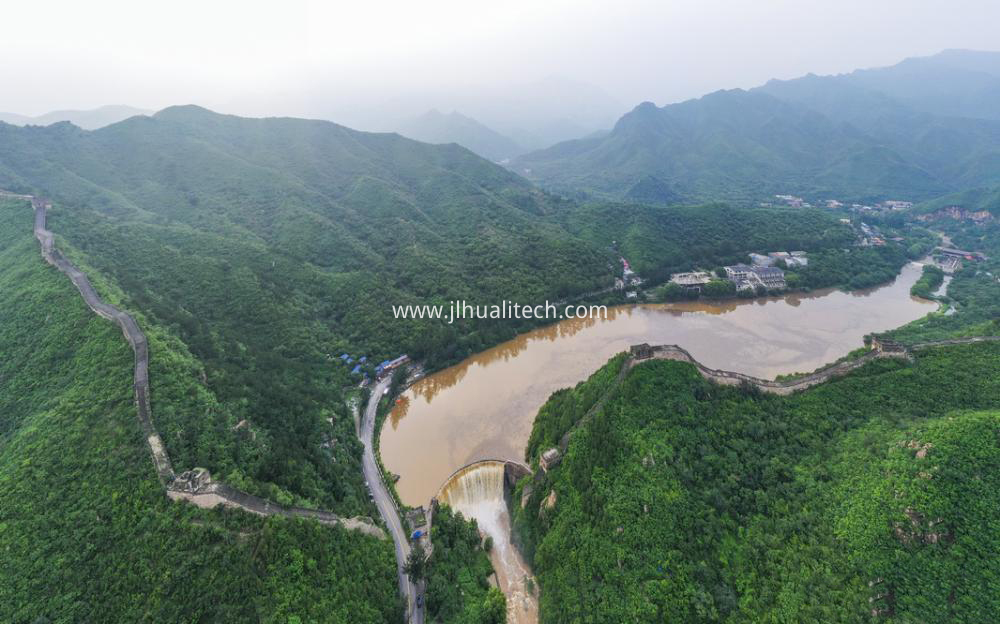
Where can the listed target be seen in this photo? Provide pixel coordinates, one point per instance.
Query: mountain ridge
(821, 136)
(89, 119)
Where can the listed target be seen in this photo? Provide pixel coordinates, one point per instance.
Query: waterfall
(473, 485)
(477, 491)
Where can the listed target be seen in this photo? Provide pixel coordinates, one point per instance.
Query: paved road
(386, 505)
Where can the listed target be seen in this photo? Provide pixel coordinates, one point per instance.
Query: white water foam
(477, 491)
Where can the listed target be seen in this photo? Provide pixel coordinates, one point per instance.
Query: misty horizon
(373, 67)
(531, 115)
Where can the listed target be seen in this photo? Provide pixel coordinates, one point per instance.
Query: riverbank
(483, 407)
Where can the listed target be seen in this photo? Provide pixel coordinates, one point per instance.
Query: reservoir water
(483, 407)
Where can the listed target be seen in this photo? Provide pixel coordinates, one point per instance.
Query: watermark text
(461, 310)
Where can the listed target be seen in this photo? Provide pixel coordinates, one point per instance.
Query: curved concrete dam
(479, 491)
(483, 408)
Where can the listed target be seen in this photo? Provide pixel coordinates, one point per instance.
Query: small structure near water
(549, 459)
(751, 277)
(695, 280)
(887, 346)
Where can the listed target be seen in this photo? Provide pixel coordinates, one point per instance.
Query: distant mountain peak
(902, 130)
(454, 127)
(184, 110)
(86, 119)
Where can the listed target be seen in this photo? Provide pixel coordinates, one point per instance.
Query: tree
(494, 608)
(398, 380)
(673, 292)
(719, 288)
(416, 563)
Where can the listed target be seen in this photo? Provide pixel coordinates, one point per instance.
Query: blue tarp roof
(363, 358)
(357, 369)
(344, 356)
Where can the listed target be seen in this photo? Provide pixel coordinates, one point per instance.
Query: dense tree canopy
(680, 500)
(458, 591)
(86, 533)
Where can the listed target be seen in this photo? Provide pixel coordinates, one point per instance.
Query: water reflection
(483, 407)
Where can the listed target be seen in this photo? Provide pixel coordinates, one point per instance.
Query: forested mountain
(660, 240)
(454, 127)
(379, 218)
(86, 119)
(954, 83)
(819, 136)
(682, 500)
(86, 532)
(269, 247)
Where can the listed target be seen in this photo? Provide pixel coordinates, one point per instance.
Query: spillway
(477, 491)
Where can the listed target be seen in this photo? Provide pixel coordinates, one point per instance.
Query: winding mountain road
(387, 506)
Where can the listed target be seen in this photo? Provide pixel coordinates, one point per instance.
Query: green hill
(86, 532)
(861, 136)
(269, 247)
(680, 500)
(733, 145)
(955, 83)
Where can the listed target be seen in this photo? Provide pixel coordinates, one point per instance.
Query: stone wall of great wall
(198, 487)
(730, 378)
(195, 486)
(880, 348)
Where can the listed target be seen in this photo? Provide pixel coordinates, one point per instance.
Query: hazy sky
(274, 58)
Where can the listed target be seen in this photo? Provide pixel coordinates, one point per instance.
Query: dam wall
(479, 491)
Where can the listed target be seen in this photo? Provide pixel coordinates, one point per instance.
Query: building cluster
(834, 204)
(948, 264)
(388, 366)
(888, 205)
(950, 259)
(381, 370)
(791, 259)
(870, 236)
(793, 201)
(750, 278)
(347, 359)
(629, 279)
(761, 273)
(895, 204)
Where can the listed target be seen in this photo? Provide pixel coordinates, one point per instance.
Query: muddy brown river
(483, 407)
